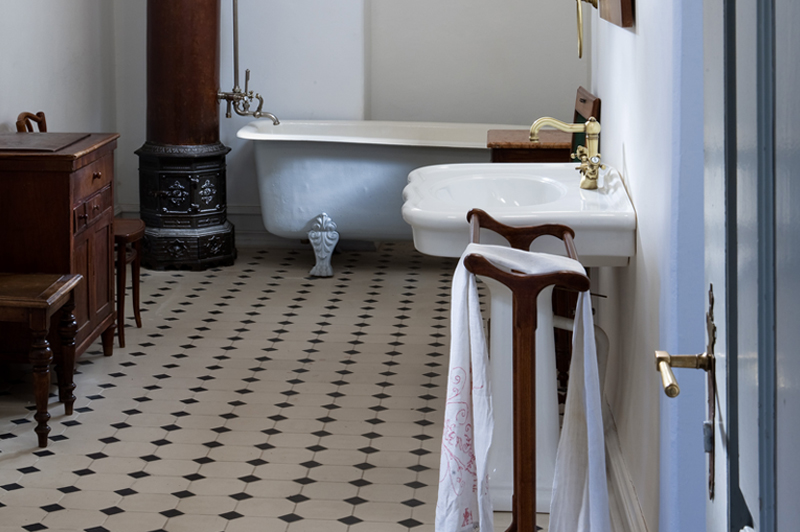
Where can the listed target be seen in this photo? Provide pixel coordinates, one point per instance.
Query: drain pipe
(601, 343)
(239, 100)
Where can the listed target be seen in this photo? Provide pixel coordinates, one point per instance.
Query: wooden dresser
(56, 216)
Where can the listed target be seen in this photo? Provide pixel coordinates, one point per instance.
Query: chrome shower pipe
(236, 87)
(239, 100)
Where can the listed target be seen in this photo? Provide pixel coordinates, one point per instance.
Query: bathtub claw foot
(323, 237)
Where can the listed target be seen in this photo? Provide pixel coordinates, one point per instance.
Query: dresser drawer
(92, 178)
(85, 213)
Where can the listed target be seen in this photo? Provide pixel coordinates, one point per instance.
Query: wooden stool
(33, 299)
(128, 231)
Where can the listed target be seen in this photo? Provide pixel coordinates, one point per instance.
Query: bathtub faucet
(239, 101)
(587, 155)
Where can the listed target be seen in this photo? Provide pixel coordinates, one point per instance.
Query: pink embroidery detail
(467, 518)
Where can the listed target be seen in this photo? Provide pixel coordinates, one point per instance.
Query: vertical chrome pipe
(236, 87)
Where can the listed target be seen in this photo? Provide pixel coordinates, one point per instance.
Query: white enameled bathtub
(321, 179)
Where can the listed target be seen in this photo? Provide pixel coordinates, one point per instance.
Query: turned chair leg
(122, 269)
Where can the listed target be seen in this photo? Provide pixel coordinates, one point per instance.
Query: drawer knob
(83, 216)
(97, 175)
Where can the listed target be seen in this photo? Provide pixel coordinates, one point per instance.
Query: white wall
(502, 62)
(650, 80)
(57, 57)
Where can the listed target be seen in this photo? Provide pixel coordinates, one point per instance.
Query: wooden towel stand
(524, 289)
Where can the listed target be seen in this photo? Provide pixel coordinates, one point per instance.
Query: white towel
(580, 488)
(463, 478)
(464, 503)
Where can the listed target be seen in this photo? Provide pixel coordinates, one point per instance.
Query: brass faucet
(587, 155)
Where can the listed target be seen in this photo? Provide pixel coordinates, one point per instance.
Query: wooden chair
(587, 105)
(25, 122)
(128, 234)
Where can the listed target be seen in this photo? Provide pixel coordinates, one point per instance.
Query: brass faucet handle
(581, 153)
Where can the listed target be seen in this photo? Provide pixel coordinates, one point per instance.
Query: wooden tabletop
(516, 139)
(34, 290)
(20, 153)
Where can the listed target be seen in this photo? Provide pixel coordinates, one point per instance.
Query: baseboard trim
(626, 512)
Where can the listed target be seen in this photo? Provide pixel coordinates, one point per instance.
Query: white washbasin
(437, 199)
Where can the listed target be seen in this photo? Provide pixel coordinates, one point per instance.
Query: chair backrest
(587, 105)
(25, 122)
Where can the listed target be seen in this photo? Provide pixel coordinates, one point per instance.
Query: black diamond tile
(183, 494)
(138, 474)
(265, 446)
(109, 440)
(194, 476)
(203, 460)
(257, 462)
(40, 454)
(409, 523)
(34, 527)
(303, 481)
(364, 466)
(231, 515)
(126, 492)
(171, 513)
(241, 496)
(150, 458)
(298, 498)
(83, 472)
(372, 435)
(67, 489)
(355, 501)
(26, 470)
(413, 503)
(112, 510)
(290, 518)
(97, 456)
(350, 520)
(418, 468)
(249, 478)
(311, 464)
(52, 508)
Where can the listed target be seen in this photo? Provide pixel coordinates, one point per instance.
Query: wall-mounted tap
(239, 100)
(588, 155)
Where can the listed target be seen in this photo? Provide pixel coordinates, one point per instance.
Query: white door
(752, 224)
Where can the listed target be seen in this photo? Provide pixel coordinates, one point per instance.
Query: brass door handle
(665, 362)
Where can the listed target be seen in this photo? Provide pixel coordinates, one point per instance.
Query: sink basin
(437, 199)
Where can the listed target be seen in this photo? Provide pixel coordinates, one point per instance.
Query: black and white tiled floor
(254, 398)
